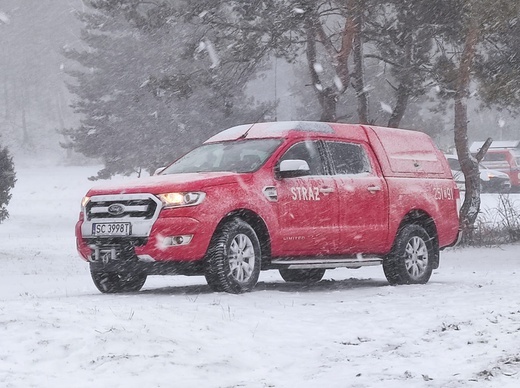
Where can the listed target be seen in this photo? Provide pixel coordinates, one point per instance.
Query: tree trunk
(469, 165)
(347, 42)
(60, 103)
(400, 106)
(310, 52)
(359, 81)
(7, 114)
(328, 96)
(329, 102)
(403, 91)
(26, 140)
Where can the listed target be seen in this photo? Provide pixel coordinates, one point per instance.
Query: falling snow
(350, 330)
(318, 68)
(385, 107)
(4, 18)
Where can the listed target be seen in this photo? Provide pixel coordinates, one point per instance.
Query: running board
(307, 263)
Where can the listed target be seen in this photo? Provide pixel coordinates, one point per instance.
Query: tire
(412, 257)
(234, 258)
(313, 275)
(115, 282)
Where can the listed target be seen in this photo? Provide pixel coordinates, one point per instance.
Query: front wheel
(114, 282)
(302, 275)
(233, 258)
(412, 257)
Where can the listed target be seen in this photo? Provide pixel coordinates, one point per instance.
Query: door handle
(326, 190)
(374, 189)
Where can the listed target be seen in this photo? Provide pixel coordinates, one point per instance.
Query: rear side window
(308, 151)
(348, 158)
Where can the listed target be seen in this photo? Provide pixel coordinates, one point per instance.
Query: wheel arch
(426, 221)
(258, 225)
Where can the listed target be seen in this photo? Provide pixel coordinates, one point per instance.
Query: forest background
(134, 84)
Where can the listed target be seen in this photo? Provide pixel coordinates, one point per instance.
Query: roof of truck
(401, 152)
(287, 129)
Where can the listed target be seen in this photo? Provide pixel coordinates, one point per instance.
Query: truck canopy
(407, 153)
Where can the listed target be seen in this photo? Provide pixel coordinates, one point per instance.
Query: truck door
(308, 205)
(363, 198)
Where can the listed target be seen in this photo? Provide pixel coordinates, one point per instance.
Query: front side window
(230, 156)
(308, 151)
(348, 158)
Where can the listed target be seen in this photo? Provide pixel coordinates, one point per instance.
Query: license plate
(112, 229)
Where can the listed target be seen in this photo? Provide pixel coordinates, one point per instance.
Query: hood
(160, 184)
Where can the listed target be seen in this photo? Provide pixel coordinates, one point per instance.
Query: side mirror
(159, 170)
(292, 168)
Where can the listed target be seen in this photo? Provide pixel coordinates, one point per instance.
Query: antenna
(243, 136)
(275, 89)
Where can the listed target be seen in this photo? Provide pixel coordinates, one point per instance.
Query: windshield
(232, 156)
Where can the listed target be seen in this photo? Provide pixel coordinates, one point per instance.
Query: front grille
(134, 208)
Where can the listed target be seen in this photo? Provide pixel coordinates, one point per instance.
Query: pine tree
(152, 85)
(7, 181)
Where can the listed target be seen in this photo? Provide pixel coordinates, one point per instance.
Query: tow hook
(105, 255)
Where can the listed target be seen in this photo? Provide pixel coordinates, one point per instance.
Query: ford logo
(116, 209)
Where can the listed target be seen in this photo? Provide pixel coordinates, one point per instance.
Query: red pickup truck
(299, 197)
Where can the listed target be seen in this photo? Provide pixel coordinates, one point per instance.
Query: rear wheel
(302, 275)
(233, 258)
(412, 257)
(114, 282)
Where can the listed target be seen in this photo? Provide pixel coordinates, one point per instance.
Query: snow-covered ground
(462, 329)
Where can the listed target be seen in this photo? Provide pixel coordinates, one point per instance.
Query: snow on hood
(167, 183)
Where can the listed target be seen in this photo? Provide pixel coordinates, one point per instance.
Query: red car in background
(507, 161)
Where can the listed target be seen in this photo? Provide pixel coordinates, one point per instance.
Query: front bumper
(154, 235)
(154, 247)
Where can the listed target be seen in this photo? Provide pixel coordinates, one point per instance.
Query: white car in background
(491, 181)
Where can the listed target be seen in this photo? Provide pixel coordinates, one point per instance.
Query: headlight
(182, 199)
(84, 202)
